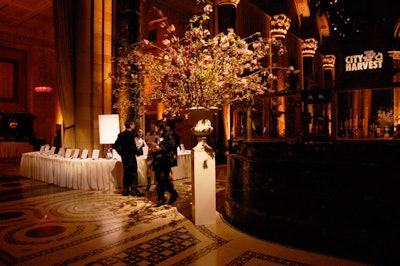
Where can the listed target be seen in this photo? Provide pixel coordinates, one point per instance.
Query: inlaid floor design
(47, 225)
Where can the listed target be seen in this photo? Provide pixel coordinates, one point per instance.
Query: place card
(75, 154)
(84, 154)
(95, 154)
(61, 152)
(109, 154)
(68, 153)
(52, 150)
(46, 149)
(41, 148)
(115, 155)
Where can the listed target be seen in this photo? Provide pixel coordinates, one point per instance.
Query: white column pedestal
(203, 185)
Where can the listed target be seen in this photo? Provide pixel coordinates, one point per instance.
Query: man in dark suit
(126, 147)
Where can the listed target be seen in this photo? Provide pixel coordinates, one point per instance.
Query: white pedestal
(203, 185)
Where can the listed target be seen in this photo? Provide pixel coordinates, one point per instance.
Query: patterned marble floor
(41, 224)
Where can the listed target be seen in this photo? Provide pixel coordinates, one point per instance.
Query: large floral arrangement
(385, 118)
(198, 70)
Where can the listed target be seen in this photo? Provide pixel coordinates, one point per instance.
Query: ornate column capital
(228, 2)
(394, 54)
(309, 47)
(279, 26)
(328, 62)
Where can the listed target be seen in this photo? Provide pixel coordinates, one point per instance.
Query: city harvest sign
(369, 60)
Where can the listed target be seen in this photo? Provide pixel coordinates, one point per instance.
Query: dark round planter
(327, 197)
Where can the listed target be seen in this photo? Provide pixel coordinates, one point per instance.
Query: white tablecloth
(14, 149)
(89, 174)
(86, 174)
(183, 170)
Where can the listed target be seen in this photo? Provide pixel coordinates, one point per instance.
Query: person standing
(151, 134)
(161, 153)
(140, 142)
(57, 140)
(126, 147)
(151, 140)
(175, 140)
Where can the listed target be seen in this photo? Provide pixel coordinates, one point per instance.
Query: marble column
(396, 90)
(280, 24)
(309, 47)
(226, 19)
(227, 14)
(93, 40)
(328, 64)
(366, 112)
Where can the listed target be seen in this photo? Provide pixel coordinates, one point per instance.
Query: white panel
(108, 128)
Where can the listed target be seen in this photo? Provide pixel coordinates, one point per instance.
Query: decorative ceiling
(348, 17)
(27, 17)
(345, 16)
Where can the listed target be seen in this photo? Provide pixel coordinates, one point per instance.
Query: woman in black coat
(163, 155)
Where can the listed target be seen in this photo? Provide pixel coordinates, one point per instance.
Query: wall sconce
(309, 47)
(279, 26)
(43, 85)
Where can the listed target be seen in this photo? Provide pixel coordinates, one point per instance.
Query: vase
(201, 119)
(201, 130)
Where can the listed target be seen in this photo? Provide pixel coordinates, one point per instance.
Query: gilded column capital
(394, 54)
(228, 2)
(279, 26)
(309, 47)
(328, 62)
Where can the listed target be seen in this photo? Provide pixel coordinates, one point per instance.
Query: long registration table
(89, 174)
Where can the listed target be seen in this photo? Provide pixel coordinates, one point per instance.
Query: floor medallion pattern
(44, 227)
(42, 224)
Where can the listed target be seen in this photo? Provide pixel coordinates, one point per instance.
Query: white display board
(108, 128)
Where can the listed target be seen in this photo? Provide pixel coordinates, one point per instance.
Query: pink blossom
(171, 28)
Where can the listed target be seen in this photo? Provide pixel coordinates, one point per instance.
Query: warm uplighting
(309, 47)
(328, 62)
(279, 26)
